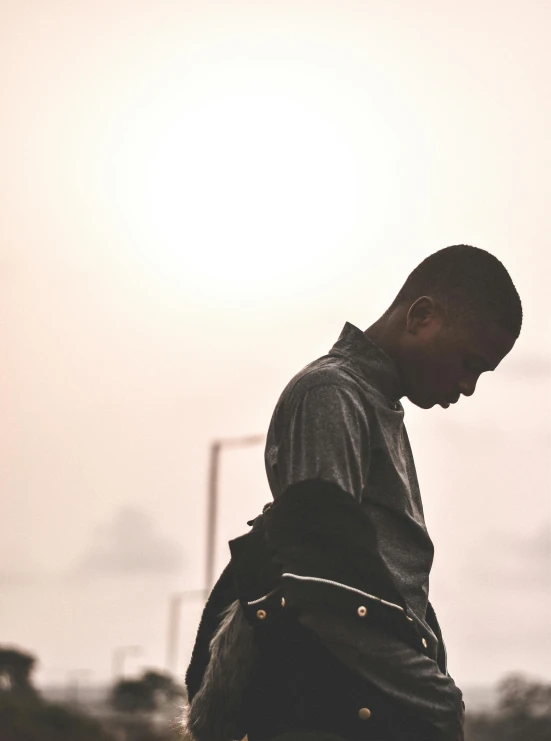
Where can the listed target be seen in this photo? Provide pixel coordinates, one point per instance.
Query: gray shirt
(340, 419)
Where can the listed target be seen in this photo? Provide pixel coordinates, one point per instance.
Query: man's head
(457, 315)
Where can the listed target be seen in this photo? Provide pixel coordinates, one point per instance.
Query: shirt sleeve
(327, 437)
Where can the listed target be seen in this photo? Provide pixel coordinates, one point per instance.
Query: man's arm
(328, 438)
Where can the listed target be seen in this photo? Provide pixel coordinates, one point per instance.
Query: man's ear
(423, 312)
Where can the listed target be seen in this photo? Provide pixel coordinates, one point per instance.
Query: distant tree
(150, 692)
(39, 721)
(521, 697)
(525, 709)
(523, 713)
(24, 716)
(32, 719)
(15, 672)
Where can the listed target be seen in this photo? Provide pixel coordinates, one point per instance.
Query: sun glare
(238, 191)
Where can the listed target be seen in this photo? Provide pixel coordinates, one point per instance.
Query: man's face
(445, 360)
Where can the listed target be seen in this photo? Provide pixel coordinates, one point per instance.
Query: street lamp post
(119, 656)
(174, 625)
(215, 449)
(212, 503)
(74, 685)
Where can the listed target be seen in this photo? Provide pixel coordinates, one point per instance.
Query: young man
(329, 616)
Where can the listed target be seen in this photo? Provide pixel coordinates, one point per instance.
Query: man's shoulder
(323, 374)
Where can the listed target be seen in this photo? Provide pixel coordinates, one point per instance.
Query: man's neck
(383, 334)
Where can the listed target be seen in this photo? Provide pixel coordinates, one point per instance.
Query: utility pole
(212, 504)
(119, 655)
(73, 684)
(176, 600)
(174, 625)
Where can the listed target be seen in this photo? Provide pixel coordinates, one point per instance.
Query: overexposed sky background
(195, 197)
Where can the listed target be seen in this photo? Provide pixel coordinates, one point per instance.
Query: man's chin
(422, 403)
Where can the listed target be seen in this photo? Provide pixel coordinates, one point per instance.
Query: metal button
(424, 642)
(409, 618)
(283, 601)
(364, 713)
(261, 614)
(362, 611)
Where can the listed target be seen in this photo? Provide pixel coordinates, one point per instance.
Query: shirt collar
(377, 367)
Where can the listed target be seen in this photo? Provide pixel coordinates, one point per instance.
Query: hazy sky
(195, 197)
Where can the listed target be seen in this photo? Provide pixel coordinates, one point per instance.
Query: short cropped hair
(470, 283)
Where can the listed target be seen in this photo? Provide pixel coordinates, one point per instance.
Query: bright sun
(238, 191)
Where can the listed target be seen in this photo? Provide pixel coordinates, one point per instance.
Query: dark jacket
(310, 563)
